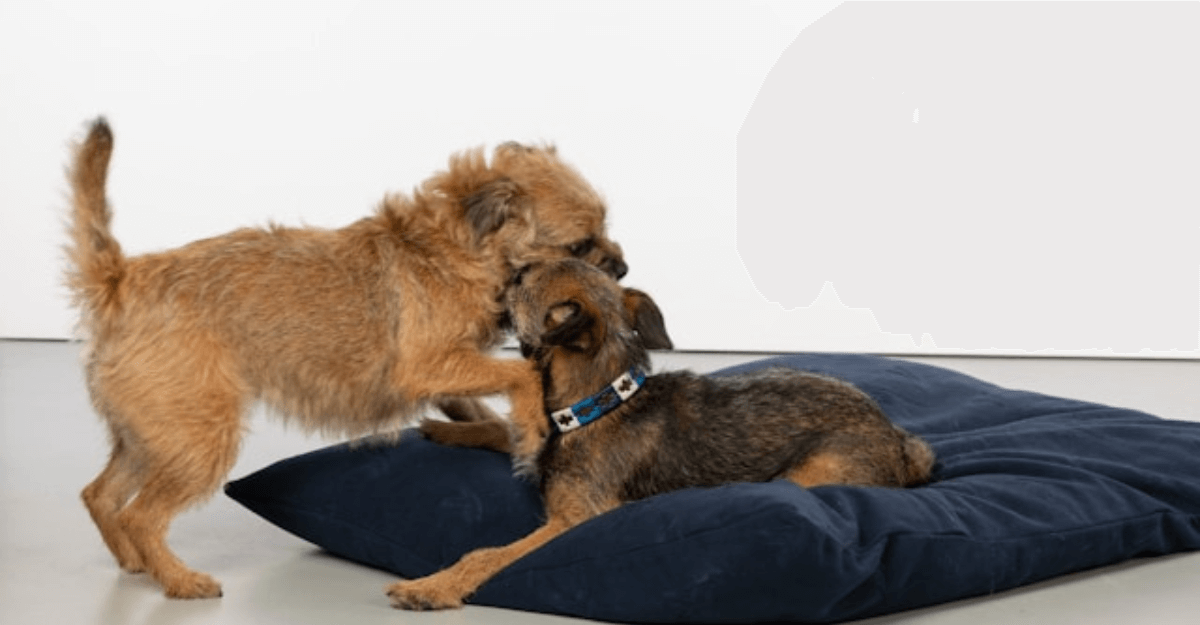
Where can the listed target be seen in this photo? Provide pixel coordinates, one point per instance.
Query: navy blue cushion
(1026, 487)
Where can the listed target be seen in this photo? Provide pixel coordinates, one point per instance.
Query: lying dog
(349, 331)
(624, 435)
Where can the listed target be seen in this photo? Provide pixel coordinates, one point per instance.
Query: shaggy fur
(679, 430)
(347, 332)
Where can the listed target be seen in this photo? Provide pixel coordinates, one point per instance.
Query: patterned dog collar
(591, 408)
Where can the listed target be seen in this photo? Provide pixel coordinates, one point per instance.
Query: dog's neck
(600, 403)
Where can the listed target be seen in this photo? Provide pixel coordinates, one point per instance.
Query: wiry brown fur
(348, 331)
(679, 430)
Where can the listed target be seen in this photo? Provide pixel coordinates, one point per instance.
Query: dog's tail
(918, 459)
(96, 264)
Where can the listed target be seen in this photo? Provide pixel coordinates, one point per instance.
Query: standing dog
(623, 435)
(347, 331)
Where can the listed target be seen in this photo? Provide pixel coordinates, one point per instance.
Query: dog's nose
(616, 267)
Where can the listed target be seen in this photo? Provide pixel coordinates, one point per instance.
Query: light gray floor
(54, 569)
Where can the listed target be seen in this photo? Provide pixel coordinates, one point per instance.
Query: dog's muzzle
(614, 267)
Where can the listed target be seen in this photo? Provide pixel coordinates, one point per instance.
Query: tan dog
(348, 331)
(623, 435)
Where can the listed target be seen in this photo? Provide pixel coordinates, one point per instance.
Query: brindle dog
(622, 435)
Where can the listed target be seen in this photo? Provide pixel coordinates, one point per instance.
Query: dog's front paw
(423, 594)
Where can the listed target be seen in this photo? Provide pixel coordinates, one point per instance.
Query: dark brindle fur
(680, 430)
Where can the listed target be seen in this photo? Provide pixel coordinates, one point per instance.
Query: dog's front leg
(448, 588)
(473, 374)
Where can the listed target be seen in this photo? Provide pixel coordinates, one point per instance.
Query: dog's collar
(591, 408)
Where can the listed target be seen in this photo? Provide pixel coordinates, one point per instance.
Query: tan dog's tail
(97, 265)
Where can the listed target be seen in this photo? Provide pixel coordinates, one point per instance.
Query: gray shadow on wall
(998, 175)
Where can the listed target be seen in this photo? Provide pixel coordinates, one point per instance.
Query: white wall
(234, 113)
(1019, 175)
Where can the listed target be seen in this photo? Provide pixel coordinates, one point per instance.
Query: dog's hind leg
(494, 435)
(865, 458)
(186, 463)
(147, 520)
(105, 497)
(467, 410)
(824, 467)
(472, 424)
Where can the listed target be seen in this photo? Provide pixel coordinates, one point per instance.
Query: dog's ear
(573, 326)
(647, 319)
(491, 205)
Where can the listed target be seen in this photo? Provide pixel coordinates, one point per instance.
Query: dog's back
(684, 430)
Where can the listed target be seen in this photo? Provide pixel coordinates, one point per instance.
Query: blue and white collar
(591, 408)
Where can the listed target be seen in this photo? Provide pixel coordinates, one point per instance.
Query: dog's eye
(581, 248)
(518, 276)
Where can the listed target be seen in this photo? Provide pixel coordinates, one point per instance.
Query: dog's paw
(132, 567)
(193, 586)
(423, 594)
(129, 559)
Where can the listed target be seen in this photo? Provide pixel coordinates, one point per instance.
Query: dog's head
(581, 327)
(531, 206)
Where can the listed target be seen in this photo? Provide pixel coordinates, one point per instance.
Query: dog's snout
(616, 267)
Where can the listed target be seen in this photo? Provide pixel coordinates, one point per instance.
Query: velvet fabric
(1026, 487)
